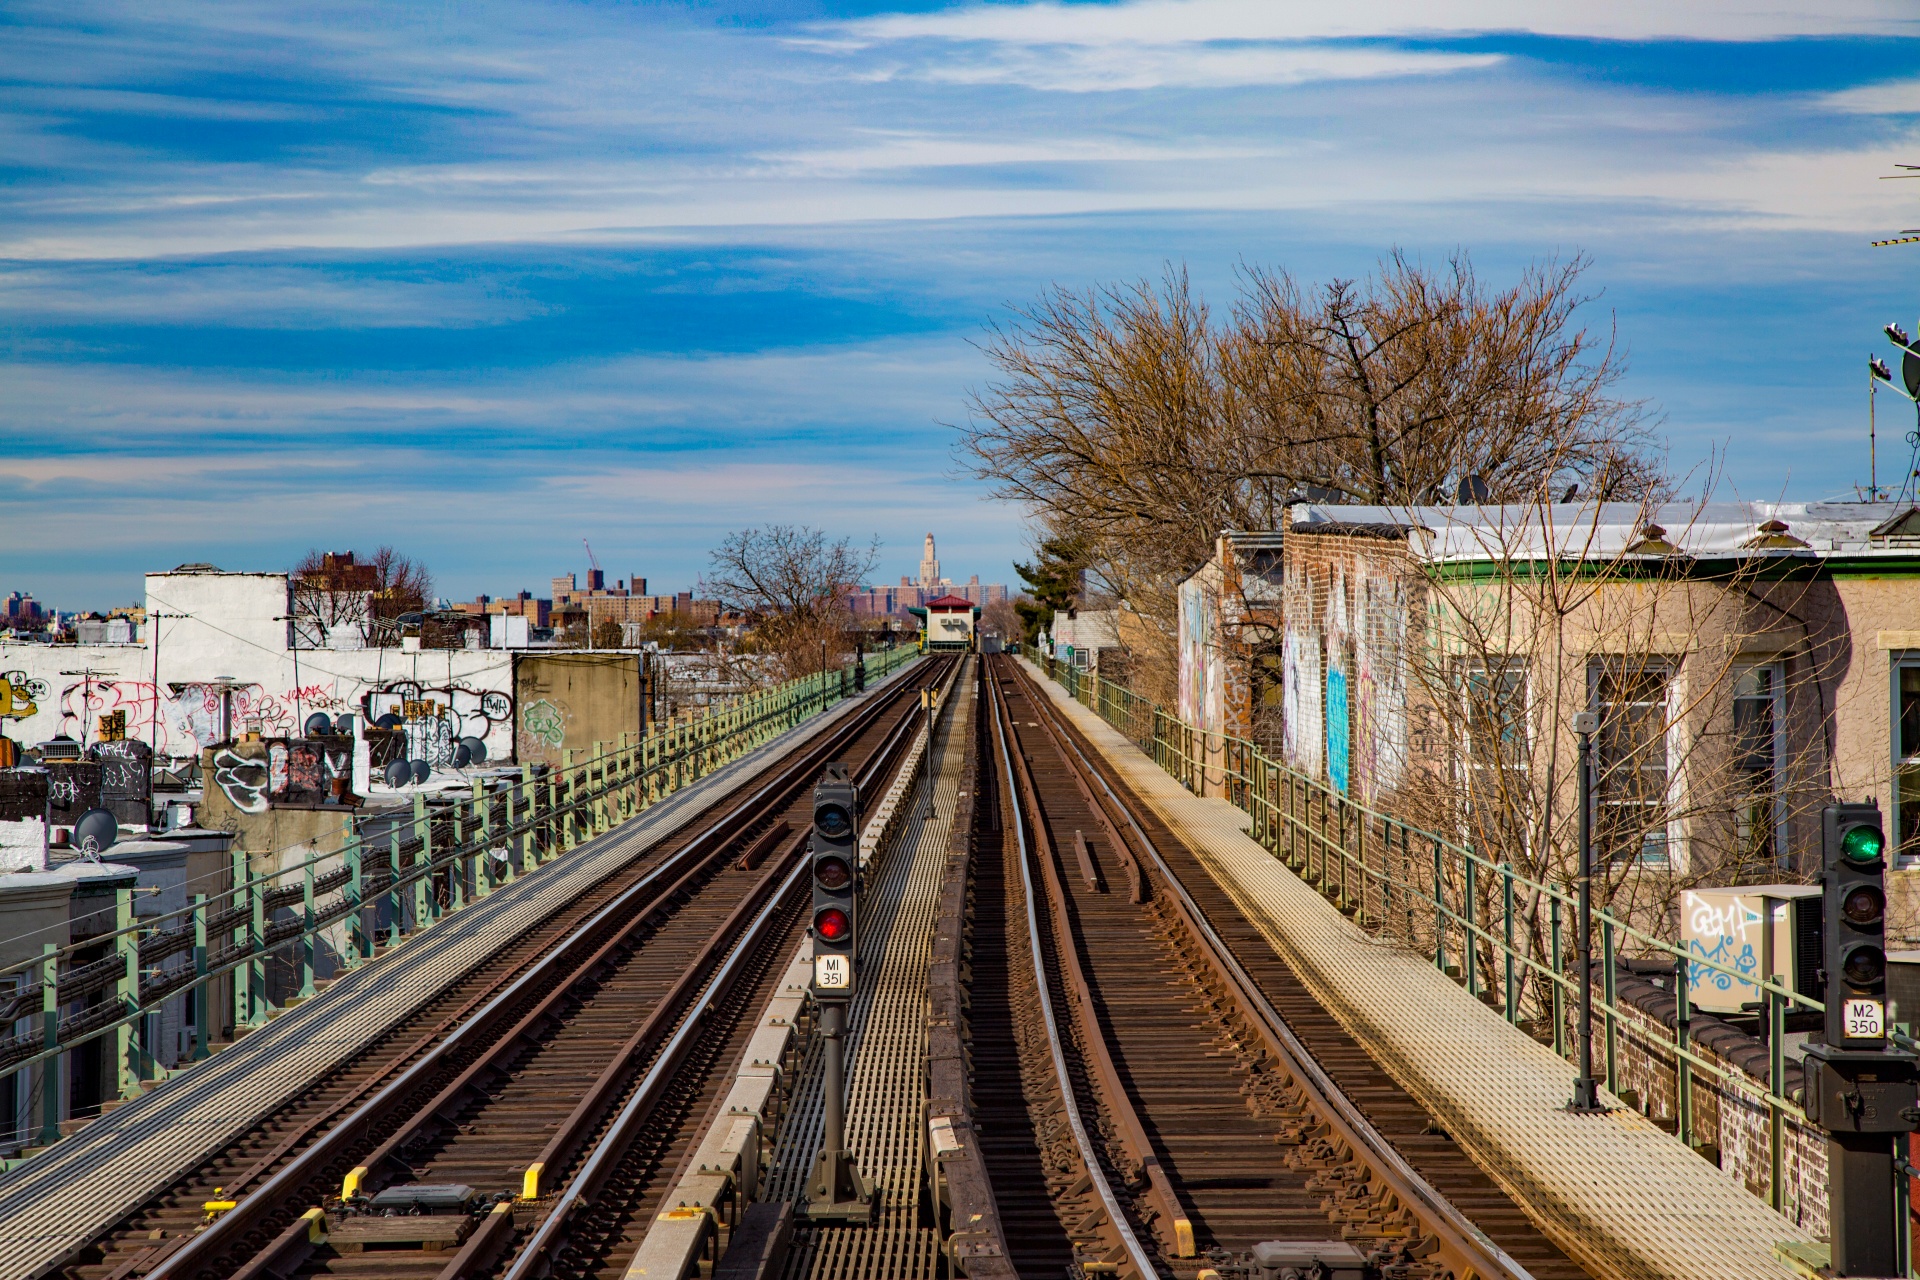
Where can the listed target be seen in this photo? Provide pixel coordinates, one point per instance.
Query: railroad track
(1174, 1094)
(411, 1095)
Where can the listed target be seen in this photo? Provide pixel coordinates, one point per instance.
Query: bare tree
(794, 586)
(401, 584)
(333, 589)
(1002, 617)
(1416, 383)
(1129, 422)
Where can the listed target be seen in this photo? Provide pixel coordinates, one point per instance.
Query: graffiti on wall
(544, 727)
(243, 781)
(1302, 684)
(19, 694)
(178, 720)
(437, 717)
(1346, 626)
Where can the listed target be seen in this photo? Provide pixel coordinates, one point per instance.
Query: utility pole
(86, 675)
(1586, 1089)
(153, 621)
(293, 644)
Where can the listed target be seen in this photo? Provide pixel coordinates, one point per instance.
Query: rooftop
(1809, 530)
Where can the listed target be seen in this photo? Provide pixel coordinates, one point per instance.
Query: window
(1496, 714)
(1758, 724)
(1630, 761)
(1496, 749)
(1906, 757)
(1081, 657)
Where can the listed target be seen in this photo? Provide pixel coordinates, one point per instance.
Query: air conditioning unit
(1756, 930)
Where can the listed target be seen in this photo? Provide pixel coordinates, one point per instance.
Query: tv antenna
(1910, 235)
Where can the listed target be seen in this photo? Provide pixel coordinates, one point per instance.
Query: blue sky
(482, 279)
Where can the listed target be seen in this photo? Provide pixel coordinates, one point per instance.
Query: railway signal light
(1854, 879)
(1858, 1089)
(835, 1191)
(836, 863)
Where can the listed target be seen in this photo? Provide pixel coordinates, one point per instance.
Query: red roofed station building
(949, 622)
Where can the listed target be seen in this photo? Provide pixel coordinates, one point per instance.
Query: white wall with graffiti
(218, 661)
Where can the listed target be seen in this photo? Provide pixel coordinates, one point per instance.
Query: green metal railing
(390, 875)
(1504, 936)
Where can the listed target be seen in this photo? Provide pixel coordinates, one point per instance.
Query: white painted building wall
(225, 655)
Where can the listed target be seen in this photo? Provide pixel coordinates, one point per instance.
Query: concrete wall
(568, 701)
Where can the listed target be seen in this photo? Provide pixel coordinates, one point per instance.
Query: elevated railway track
(1188, 1099)
(1145, 1089)
(515, 1075)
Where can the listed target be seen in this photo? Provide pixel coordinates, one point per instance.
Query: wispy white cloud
(1105, 67)
(1889, 98)
(1182, 22)
(880, 151)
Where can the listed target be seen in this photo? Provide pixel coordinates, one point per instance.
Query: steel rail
(231, 1229)
(583, 1188)
(1175, 1217)
(1465, 1244)
(1136, 1253)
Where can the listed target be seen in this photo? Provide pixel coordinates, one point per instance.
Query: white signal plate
(1864, 1019)
(832, 973)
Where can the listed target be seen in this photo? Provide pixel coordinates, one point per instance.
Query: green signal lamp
(1863, 845)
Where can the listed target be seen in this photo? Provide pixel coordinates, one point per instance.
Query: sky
(482, 280)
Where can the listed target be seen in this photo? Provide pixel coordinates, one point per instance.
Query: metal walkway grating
(886, 1094)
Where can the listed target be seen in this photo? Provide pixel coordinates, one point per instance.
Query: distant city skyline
(494, 586)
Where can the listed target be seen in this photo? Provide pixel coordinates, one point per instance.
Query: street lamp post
(1586, 1089)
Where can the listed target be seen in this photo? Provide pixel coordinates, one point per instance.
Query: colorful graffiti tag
(242, 781)
(437, 717)
(178, 720)
(544, 726)
(18, 692)
(189, 716)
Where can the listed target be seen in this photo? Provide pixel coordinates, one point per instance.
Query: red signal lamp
(832, 925)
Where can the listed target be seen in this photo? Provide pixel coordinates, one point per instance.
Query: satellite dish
(461, 755)
(1472, 489)
(420, 770)
(388, 721)
(96, 831)
(399, 773)
(476, 749)
(343, 725)
(318, 723)
(1910, 372)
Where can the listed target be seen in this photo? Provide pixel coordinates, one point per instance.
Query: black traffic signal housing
(836, 876)
(1854, 845)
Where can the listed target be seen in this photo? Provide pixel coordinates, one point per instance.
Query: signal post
(835, 1191)
(1859, 1089)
